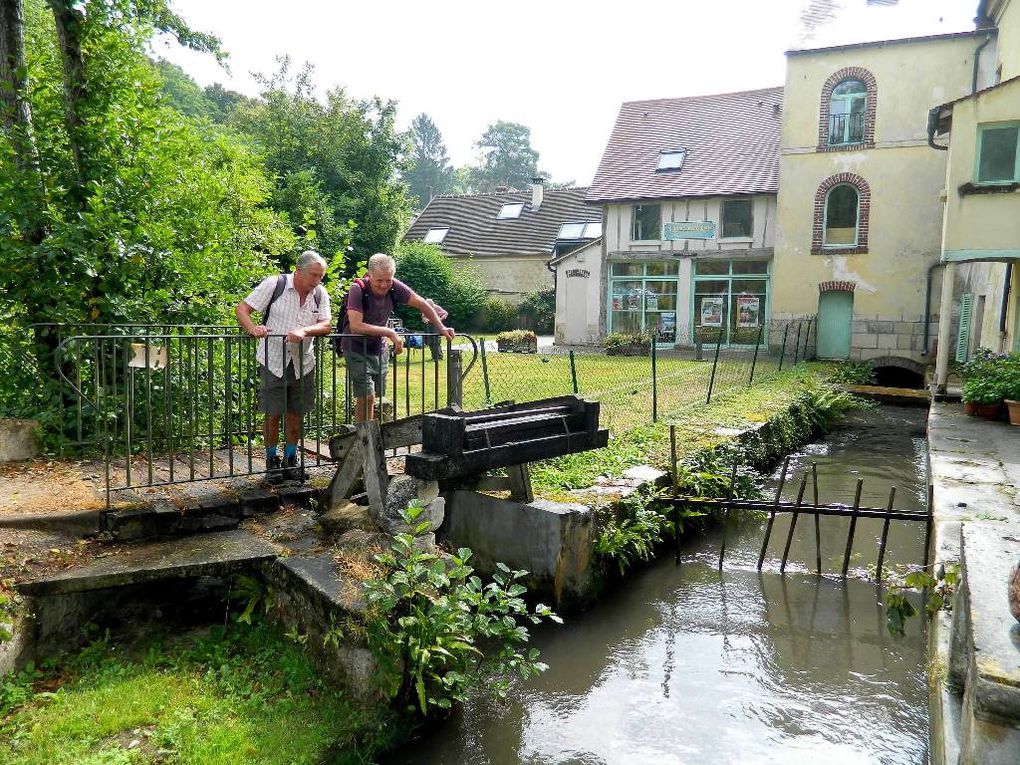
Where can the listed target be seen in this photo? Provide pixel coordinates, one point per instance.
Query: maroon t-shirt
(377, 310)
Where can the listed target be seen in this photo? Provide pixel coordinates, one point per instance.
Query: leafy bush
(539, 310)
(430, 273)
(708, 473)
(989, 377)
(620, 339)
(516, 336)
(630, 532)
(431, 623)
(497, 315)
(853, 373)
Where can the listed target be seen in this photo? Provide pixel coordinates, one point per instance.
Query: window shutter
(963, 337)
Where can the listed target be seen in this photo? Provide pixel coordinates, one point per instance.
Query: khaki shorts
(367, 372)
(300, 394)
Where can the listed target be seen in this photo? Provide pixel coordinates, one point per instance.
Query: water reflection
(686, 664)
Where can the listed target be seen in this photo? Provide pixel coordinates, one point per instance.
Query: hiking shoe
(293, 471)
(274, 470)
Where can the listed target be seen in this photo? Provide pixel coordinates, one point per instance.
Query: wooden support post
(928, 523)
(726, 512)
(346, 476)
(818, 529)
(454, 383)
(520, 483)
(793, 524)
(376, 479)
(853, 528)
(885, 535)
(772, 514)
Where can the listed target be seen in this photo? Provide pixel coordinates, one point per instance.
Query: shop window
(737, 218)
(647, 223)
(730, 299)
(998, 154)
(841, 207)
(643, 299)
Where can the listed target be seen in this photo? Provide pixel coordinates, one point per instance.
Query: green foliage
(222, 696)
(631, 531)
(709, 472)
(433, 625)
(10, 607)
(539, 310)
(497, 315)
(621, 339)
(348, 150)
(430, 273)
(989, 377)
(898, 609)
(507, 158)
(429, 172)
(516, 336)
(853, 373)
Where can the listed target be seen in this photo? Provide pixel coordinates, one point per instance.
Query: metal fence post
(485, 375)
(454, 384)
(796, 345)
(715, 364)
(573, 372)
(754, 359)
(655, 385)
(782, 353)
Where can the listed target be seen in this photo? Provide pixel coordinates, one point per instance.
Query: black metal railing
(846, 128)
(171, 407)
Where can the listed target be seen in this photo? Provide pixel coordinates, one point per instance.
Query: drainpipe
(1004, 307)
(977, 61)
(927, 306)
(933, 124)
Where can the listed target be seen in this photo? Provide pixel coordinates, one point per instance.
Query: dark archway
(896, 372)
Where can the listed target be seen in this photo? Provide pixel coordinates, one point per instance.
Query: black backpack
(342, 313)
(281, 285)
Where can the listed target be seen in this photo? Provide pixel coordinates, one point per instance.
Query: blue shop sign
(688, 229)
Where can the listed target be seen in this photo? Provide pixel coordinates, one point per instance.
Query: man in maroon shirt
(367, 356)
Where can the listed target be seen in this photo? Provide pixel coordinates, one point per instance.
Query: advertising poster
(748, 311)
(711, 311)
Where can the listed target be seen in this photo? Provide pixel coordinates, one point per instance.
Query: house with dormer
(509, 236)
(687, 189)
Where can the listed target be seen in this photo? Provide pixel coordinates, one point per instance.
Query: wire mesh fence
(638, 385)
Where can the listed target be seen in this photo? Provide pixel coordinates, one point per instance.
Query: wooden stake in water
(927, 526)
(793, 523)
(726, 512)
(676, 490)
(885, 534)
(772, 514)
(853, 527)
(818, 530)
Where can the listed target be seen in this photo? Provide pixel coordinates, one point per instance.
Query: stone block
(905, 327)
(866, 340)
(257, 502)
(881, 327)
(859, 327)
(873, 353)
(904, 343)
(158, 519)
(18, 439)
(347, 517)
(888, 342)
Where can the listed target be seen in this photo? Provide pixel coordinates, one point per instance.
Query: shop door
(835, 322)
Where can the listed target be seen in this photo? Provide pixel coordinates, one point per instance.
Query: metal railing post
(715, 365)
(655, 384)
(485, 375)
(573, 372)
(454, 383)
(782, 352)
(754, 359)
(796, 345)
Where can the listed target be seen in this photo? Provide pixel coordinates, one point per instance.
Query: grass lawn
(213, 697)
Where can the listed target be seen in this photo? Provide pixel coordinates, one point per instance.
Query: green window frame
(847, 108)
(997, 144)
(646, 222)
(735, 281)
(826, 227)
(643, 298)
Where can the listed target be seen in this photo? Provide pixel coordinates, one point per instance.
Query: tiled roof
(474, 229)
(731, 139)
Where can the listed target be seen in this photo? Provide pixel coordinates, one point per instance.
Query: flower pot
(629, 350)
(1014, 592)
(989, 411)
(1014, 411)
(517, 346)
(970, 408)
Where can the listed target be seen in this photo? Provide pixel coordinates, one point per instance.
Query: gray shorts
(300, 394)
(367, 372)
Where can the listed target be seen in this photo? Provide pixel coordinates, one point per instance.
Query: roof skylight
(571, 231)
(672, 159)
(592, 230)
(436, 235)
(510, 210)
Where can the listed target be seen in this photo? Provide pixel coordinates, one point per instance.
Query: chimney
(537, 193)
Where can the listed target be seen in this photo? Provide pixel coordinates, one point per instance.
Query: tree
(507, 158)
(183, 93)
(351, 146)
(430, 172)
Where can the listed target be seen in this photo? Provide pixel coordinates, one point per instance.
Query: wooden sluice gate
(797, 508)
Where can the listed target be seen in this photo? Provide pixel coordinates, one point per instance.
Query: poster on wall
(652, 302)
(711, 311)
(667, 322)
(748, 311)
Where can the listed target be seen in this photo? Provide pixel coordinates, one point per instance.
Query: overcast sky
(561, 67)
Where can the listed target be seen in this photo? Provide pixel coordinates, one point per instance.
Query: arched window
(847, 107)
(846, 112)
(841, 216)
(842, 205)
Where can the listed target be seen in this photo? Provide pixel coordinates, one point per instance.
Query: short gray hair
(382, 262)
(310, 257)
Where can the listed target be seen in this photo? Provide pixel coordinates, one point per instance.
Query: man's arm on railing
(243, 311)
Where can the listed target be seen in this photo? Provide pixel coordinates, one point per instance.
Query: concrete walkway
(975, 651)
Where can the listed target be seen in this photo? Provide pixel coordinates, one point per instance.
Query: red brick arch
(848, 73)
(863, 214)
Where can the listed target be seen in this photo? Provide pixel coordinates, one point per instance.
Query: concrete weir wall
(553, 541)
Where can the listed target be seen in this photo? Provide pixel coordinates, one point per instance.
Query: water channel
(684, 664)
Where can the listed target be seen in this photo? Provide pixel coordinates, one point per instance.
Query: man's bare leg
(364, 408)
(271, 430)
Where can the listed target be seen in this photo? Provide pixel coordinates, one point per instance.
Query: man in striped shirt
(286, 354)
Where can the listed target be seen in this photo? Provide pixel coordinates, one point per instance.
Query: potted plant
(517, 341)
(624, 344)
(1011, 362)
(986, 377)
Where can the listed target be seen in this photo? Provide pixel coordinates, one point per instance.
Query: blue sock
(290, 450)
(270, 451)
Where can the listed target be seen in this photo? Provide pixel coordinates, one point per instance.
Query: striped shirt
(288, 314)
